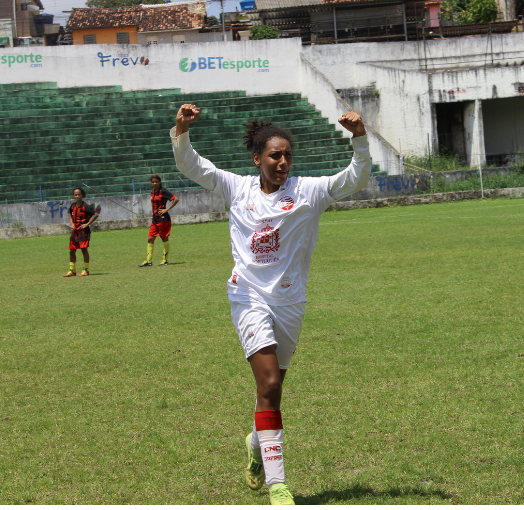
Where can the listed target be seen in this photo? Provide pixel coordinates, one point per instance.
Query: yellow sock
(86, 266)
(166, 250)
(150, 248)
(72, 266)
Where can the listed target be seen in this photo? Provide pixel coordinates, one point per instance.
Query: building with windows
(17, 23)
(138, 24)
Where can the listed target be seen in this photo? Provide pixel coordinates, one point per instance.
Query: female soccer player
(274, 221)
(81, 215)
(161, 222)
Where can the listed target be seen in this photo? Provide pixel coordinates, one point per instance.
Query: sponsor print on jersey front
(265, 245)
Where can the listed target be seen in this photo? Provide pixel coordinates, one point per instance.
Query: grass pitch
(130, 387)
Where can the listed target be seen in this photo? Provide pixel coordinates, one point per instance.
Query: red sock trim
(268, 420)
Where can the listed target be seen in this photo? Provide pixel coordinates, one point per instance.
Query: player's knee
(270, 387)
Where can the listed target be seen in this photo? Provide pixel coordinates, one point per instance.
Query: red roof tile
(170, 17)
(178, 16)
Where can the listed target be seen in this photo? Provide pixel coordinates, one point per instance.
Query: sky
(57, 6)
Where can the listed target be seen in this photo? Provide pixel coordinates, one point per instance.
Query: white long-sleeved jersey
(273, 236)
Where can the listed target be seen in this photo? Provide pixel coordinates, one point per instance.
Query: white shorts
(259, 325)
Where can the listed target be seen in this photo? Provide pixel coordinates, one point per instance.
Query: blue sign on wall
(247, 5)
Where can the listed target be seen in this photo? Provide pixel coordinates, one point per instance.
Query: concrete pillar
(474, 133)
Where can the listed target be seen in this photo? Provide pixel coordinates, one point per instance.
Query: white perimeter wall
(339, 62)
(260, 67)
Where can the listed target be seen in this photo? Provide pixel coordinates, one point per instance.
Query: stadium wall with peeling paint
(127, 207)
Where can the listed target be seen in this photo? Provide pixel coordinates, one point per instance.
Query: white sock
(271, 437)
(272, 455)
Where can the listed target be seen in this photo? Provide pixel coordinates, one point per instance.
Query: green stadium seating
(54, 139)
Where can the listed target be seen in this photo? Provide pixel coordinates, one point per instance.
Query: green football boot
(279, 494)
(255, 468)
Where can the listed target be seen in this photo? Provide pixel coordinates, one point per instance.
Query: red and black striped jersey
(81, 215)
(159, 200)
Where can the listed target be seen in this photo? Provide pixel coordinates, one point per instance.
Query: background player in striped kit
(274, 221)
(81, 215)
(161, 221)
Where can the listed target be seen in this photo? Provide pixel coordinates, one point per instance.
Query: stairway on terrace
(54, 139)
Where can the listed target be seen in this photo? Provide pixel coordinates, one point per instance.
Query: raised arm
(187, 114)
(191, 164)
(353, 122)
(356, 176)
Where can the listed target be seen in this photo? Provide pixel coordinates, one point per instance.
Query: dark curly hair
(259, 132)
(81, 191)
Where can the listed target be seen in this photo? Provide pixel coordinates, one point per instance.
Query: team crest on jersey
(234, 279)
(286, 203)
(250, 207)
(285, 282)
(250, 333)
(265, 241)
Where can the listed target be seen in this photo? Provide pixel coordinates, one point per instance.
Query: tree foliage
(212, 20)
(263, 32)
(478, 11)
(468, 12)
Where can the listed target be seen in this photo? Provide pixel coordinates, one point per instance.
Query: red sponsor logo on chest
(286, 203)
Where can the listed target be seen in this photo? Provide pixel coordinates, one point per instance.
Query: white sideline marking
(368, 221)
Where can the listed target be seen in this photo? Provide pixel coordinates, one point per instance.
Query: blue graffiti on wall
(124, 60)
(56, 207)
(398, 183)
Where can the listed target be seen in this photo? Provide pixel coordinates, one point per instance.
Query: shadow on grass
(358, 491)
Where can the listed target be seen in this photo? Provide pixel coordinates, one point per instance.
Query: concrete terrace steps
(211, 150)
(127, 119)
(112, 96)
(123, 130)
(51, 98)
(124, 175)
(168, 110)
(60, 143)
(306, 129)
(173, 96)
(173, 101)
(230, 112)
(134, 161)
(54, 137)
(86, 98)
(211, 115)
(32, 153)
(12, 88)
(16, 158)
(145, 161)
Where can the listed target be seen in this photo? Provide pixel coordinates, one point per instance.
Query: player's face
(274, 163)
(77, 195)
(156, 184)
